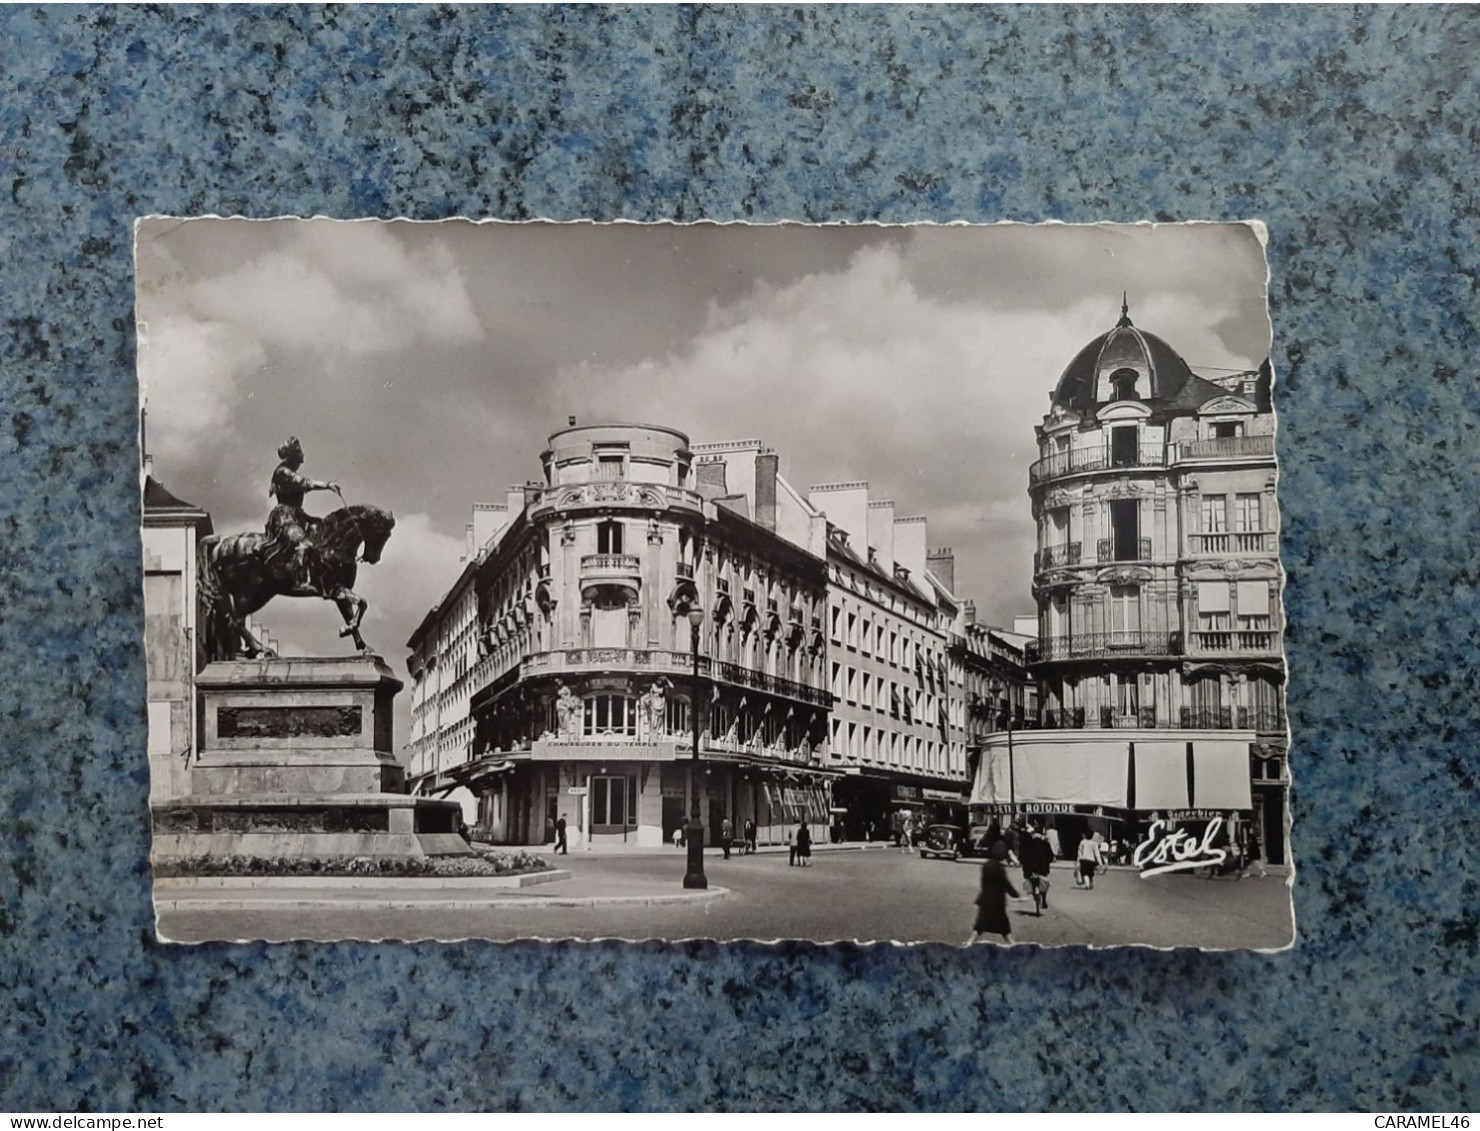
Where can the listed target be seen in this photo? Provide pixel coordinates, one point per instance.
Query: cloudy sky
(424, 365)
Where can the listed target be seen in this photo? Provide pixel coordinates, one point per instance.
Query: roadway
(867, 896)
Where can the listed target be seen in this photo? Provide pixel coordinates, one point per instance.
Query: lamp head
(696, 615)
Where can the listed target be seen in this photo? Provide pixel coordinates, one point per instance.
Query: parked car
(976, 841)
(945, 841)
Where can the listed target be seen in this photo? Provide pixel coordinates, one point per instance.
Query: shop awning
(1143, 773)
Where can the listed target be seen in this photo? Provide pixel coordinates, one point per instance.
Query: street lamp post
(694, 834)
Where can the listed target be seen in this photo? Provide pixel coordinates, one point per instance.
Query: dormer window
(1123, 385)
(1227, 429)
(609, 466)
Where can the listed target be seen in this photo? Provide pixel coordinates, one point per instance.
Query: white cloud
(190, 374)
(344, 290)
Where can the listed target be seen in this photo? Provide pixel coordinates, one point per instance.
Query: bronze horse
(236, 578)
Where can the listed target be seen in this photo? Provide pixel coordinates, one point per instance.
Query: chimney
(846, 507)
(570, 422)
(881, 533)
(767, 467)
(942, 563)
(711, 473)
(909, 548)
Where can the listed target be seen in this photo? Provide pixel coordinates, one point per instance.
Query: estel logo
(1171, 849)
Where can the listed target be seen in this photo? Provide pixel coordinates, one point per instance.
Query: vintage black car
(976, 841)
(944, 841)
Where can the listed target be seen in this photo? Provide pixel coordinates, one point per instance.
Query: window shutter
(1212, 596)
(1253, 598)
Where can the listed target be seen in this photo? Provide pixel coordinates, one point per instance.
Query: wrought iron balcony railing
(1103, 645)
(1105, 551)
(1079, 460)
(1051, 557)
(1146, 718)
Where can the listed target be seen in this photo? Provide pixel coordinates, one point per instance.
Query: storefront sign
(943, 795)
(906, 793)
(578, 790)
(1170, 848)
(1044, 808)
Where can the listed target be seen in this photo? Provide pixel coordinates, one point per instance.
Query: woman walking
(1091, 858)
(991, 901)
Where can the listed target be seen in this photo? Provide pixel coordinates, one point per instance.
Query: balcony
(1232, 544)
(1229, 642)
(1080, 460)
(1146, 718)
(1223, 449)
(1064, 718)
(1052, 557)
(1104, 645)
(1105, 551)
(1233, 718)
(775, 684)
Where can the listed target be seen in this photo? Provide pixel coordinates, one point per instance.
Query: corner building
(1157, 579)
(555, 677)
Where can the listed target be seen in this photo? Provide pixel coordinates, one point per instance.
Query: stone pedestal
(295, 761)
(297, 727)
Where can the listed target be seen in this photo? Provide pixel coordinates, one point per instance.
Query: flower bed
(484, 862)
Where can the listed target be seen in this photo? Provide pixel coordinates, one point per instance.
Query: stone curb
(185, 906)
(369, 883)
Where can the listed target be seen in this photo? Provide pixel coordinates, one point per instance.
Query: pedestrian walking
(1091, 857)
(560, 844)
(791, 848)
(804, 844)
(991, 899)
(1037, 859)
(1053, 842)
(749, 836)
(726, 835)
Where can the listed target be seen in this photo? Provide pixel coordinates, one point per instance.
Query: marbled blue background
(1351, 131)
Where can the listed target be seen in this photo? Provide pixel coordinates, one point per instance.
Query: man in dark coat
(1036, 858)
(560, 845)
(991, 901)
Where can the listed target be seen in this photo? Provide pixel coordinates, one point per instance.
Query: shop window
(613, 803)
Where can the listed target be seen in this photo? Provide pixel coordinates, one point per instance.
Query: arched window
(1123, 385)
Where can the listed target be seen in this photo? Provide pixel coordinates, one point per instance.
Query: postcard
(654, 581)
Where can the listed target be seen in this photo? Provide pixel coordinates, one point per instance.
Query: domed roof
(1090, 379)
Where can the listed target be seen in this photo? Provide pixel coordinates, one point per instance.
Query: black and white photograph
(886, 584)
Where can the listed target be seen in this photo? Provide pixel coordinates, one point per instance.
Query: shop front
(1133, 788)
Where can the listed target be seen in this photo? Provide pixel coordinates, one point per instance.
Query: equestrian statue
(298, 556)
